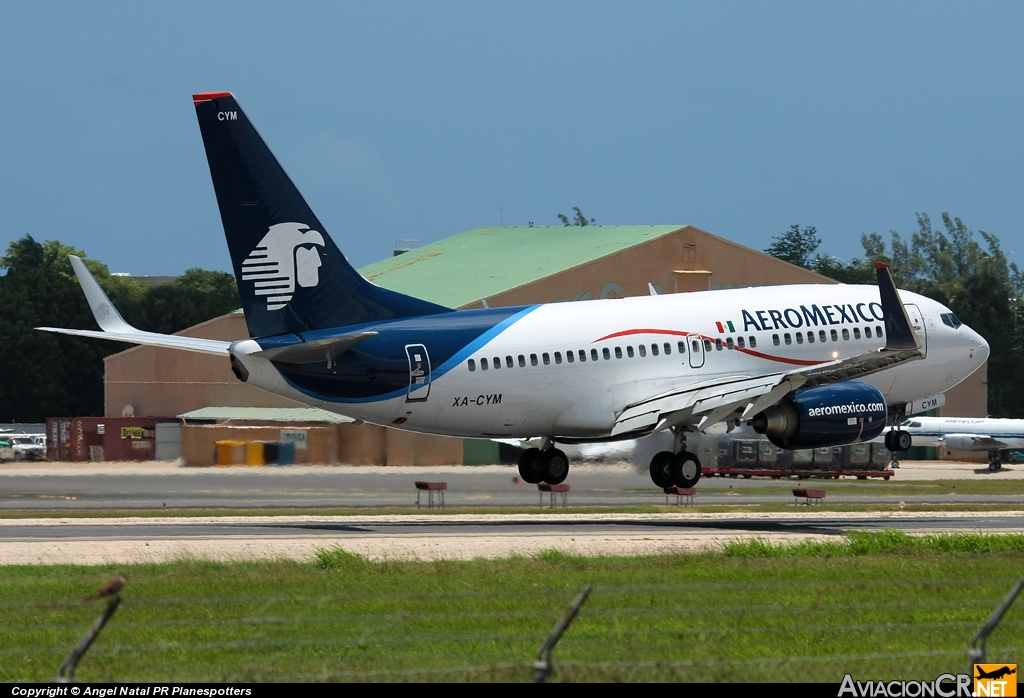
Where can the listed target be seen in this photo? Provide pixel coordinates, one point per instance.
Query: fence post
(977, 652)
(542, 666)
(66, 672)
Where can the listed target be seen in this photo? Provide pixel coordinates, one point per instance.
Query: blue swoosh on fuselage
(378, 368)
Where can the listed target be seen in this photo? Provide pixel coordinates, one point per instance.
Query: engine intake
(831, 415)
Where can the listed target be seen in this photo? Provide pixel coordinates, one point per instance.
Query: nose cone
(979, 346)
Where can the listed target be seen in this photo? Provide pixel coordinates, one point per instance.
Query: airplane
(996, 436)
(807, 365)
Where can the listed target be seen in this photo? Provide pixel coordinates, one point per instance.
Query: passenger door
(917, 322)
(419, 372)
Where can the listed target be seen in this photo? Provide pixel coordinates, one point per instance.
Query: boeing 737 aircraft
(809, 366)
(996, 436)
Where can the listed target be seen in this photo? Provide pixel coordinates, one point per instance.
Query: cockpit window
(950, 320)
(910, 423)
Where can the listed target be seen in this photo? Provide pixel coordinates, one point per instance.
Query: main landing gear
(550, 465)
(681, 468)
(898, 440)
(994, 464)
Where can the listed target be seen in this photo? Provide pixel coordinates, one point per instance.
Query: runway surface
(157, 485)
(439, 536)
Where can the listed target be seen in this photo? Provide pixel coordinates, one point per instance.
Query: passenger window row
(606, 353)
(823, 337)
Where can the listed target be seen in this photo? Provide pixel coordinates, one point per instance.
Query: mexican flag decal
(728, 323)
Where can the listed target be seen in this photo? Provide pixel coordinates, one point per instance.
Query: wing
(705, 404)
(113, 326)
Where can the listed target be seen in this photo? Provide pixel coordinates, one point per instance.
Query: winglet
(899, 333)
(103, 310)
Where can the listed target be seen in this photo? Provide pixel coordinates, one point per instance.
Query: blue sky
(421, 120)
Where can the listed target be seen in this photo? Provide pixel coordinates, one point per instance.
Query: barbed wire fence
(676, 632)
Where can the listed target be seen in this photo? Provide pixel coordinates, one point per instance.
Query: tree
(48, 375)
(578, 219)
(796, 245)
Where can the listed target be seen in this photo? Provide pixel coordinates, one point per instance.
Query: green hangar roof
(484, 262)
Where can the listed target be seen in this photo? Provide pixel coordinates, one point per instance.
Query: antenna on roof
(403, 246)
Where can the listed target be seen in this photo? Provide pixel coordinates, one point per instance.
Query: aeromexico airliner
(811, 365)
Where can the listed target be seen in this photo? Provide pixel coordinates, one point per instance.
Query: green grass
(878, 605)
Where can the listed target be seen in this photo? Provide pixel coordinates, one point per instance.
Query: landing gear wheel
(661, 472)
(895, 464)
(554, 465)
(902, 440)
(994, 466)
(529, 466)
(685, 469)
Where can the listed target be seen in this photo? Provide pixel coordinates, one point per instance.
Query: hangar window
(799, 337)
(729, 342)
(472, 365)
(681, 346)
(618, 352)
(707, 345)
(483, 363)
(546, 357)
(509, 362)
(629, 352)
(668, 348)
(583, 354)
(522, 360)
(643, 350)
(821, 336)
(775, 339)
(607, 354)
(835, 336)
(654, 350)
(497, 362)
(856, 333)
(867, 332)
(569, 356)
(753, 342)
(878, 330)
(593, 354)
(846, 333)
(739, 342)
(533, 359)
(558, 357)
(718, 344)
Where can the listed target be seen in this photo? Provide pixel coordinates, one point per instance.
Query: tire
(994, 466)
(661, 473)
(554, 464)
(685, 469)
(529, 466)
(902, 441)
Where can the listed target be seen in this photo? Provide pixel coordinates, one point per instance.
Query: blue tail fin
(290, 274)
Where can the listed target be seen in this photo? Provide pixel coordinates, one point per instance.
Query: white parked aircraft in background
(815, 365)
(996, 436)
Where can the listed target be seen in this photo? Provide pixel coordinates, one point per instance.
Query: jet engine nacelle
(831, 415)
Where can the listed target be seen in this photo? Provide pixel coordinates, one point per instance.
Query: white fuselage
(520, 382)
(966, 433)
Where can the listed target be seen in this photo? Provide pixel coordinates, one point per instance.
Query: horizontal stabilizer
(113, 326)
(314, 352)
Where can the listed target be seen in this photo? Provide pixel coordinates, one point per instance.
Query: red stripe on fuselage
(679, 333)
